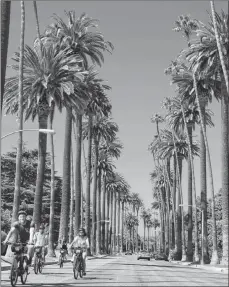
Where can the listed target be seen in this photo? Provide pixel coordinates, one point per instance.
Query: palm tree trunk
(119, 211)
(214, 234)
(5, 27)
(72, 200)
(107, 223)
(78, 173)
(225, 173)
(66, 188)
(88, 180)
(189, 245)
(196, 253)
(43, 112)
(103, 223)
(122, 226)
(51, 252)
(174, 225)
(98, 217)
(111, 223)
(93, 240)
(137, 209)
(178, 213)
(148, 240)
(16, 202)
(114, 221)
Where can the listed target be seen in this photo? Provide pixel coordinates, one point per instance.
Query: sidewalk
(218, 267)
(6, 265)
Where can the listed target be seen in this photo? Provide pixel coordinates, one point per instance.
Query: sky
(144, 45)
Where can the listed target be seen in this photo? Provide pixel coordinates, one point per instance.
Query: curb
(206, 266)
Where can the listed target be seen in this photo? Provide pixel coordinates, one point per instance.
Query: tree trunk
(136, 248)
(178, 213)
(78, 173)
(72, 200)
(96, 143)
(51, 252)
(88, 180)
(43, 112)
(196, 252)
(103, 223)
(107, 223)
(114, 221)
(119, 211)
(98, 217)
(201, 105)
(5, 27)
(66, 187)
(122, 225)
(144, 235)
(225, 173)
(174, 224)
(16, 202)
(111, 223)
(148, 240)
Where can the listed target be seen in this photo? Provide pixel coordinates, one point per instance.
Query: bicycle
(19, 265)
(61, 258)
(78, 262)
(38, 261)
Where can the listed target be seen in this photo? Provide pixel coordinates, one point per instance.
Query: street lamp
(202, 229)
(45, 131)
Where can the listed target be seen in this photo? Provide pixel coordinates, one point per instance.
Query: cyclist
(64, 247)
(81, 241)
(40, 240)
(21, 230)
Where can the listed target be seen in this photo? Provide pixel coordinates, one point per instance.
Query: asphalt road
(123, 271)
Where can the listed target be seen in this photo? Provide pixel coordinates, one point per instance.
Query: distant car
(128, 253)
(144, 255)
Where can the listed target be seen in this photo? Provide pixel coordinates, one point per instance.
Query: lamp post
(46, 131)
(202, 231)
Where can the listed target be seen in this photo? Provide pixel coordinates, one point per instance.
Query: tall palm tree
(131, 221)
(144, 216)
(16, 202)
(49, 75)
(149, 224)
(88, 45)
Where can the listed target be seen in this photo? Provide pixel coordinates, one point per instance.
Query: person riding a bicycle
(81, 241)
(63, 247)
(21, 231)
(40, 239)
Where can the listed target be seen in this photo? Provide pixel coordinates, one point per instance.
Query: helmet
(81, 229)
(22, 211)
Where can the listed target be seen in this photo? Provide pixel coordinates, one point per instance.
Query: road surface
(123, 271)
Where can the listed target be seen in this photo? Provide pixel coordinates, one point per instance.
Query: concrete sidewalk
(6, 265)
(218, 267)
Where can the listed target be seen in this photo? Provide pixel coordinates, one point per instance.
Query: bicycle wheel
(61, 261)
(24, 270)
(40, 265)
(81, 269)
(14, 273)
(76, 268)
(36, 265)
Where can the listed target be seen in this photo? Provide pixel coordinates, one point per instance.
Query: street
(124, 271)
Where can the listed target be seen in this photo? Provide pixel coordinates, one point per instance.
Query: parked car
(128, 253)
(144, 255)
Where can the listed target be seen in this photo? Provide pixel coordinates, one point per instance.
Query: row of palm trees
(200, 72)
(59, 72)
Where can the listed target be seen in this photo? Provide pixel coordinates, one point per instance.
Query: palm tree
(20, 119)
(144, 216)
(86, 44)
(131, 221)
(50, 75)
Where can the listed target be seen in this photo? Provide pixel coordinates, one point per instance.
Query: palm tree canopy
(76, 34)
(49, 75)
(131, 220)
